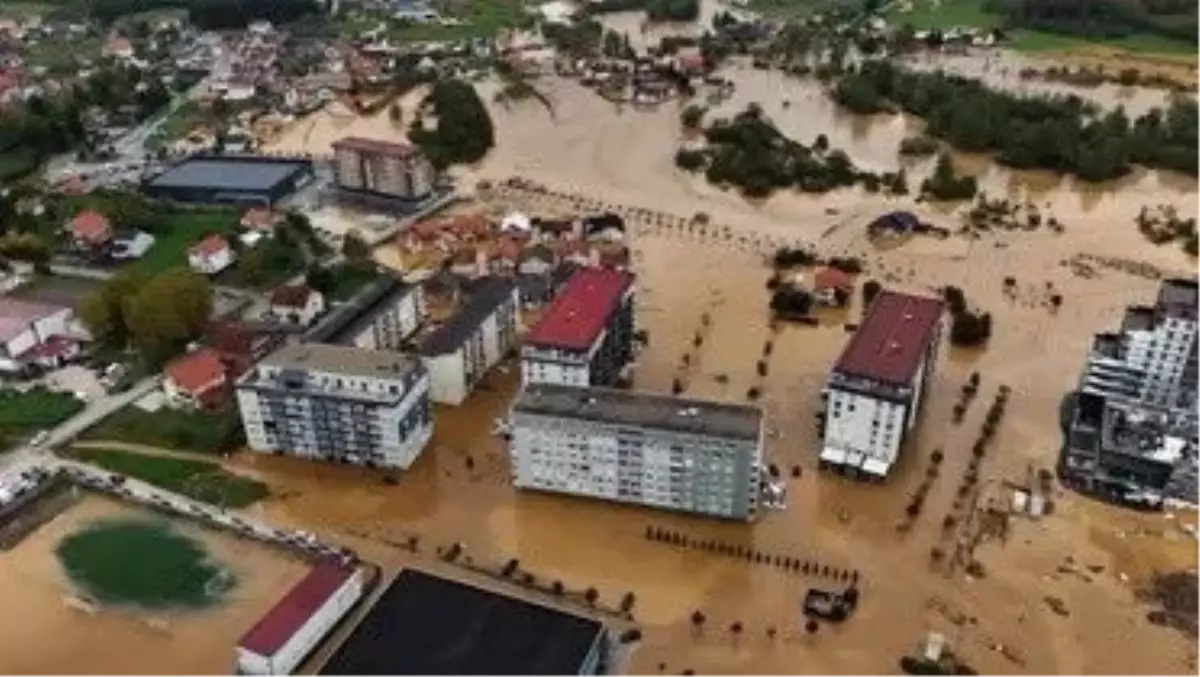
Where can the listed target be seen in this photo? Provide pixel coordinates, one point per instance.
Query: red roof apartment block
(576, 318)
(274, 629)
(891, 341)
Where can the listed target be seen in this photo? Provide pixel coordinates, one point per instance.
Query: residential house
(832, 286)
(211, 255)
(35, 333)
(298, 304)
(197, 380)
(91, 230)
(118, 47)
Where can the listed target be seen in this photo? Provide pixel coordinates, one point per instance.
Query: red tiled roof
(364, 145)
(91, 226)
(832, 278)
(578, 315)
(210, 245)
(196, 372)
(274, 629)
(891, 340)
(290, 296)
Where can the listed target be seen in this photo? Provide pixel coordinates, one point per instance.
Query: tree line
(206, 14)
(464, 131)
(656, 10)
(1102, 18)
(157, 315)
(1059, 133)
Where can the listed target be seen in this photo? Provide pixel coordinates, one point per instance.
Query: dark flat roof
(428, 625)
(891, 340)
(229, 173)
(348, 318)
(581, 311)
(484, 296)
(274, 629)
(625, 407)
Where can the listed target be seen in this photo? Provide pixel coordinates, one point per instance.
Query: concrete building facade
(383, 168)
(876, 387)
(383, 316)
(460, 352)
(585, 336)
(337, 403)
(1132, 427)
(665, 452)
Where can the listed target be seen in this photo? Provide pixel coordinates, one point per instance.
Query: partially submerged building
(429, 625)
(473, 340)
(1131, 435)
(877, 385)
(337, 403)
(660, 451)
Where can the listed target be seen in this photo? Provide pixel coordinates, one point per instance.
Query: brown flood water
(45, 633)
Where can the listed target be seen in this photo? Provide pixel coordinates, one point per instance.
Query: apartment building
(654, 450)
(482, 331)
(382, 316)
(585, 336)
(877, 385)
(337, 403)
(382, 168)
(1132, 431)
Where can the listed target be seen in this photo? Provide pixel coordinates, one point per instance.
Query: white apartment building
(460, 352)
(876, 387)
(664, 452)
(337, 403)
(383, 316)
(383, 168)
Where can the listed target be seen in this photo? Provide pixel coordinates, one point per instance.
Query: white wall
(540, 371)
(849, 429)
(448, 378)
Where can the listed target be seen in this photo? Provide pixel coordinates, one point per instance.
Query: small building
(261, 219)
(119, 47)
(655, 450)
(196, 380)
(279, 642)
(381, 316)
(337, 403)
(585, 336)
(128, 245)
(832, 286)
(297, 304)
(461, 351)
(211, 255)
(424, 624)
(877, 385)
(239, 180)
(34, 333)
(91, 230)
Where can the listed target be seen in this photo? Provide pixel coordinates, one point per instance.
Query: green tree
(355, 248)
(168, 311)
(692, 116)
(103, 311)
(463, 133)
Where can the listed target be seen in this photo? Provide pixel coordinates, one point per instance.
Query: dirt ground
(49, 633)
(601, 156)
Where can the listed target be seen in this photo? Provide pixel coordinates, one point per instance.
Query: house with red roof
(832, 286)
(297, 304)
(91, 230)
(585, 336)
(878, 384)
(197, 380)
(211, 255)
(118, 46)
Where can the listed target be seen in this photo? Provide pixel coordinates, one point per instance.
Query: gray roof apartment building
(337, 403)
(655, 450)
(483, 330)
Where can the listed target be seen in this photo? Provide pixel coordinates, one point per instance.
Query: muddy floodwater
(50, 631)
(592, 155)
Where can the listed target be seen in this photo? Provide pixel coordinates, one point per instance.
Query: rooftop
(891, 341)
(291, 296)
(348, 318)
(17, 315)
(1178, 298)
(428, 625)
(365, 145)
(274, 629)
(196, 370)
(624, 407)
(579, 314)
(344, 360)
(485, 296)
(229, 173)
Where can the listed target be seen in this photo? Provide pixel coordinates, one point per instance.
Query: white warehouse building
(655, 450)
(279, 642)
(876, 388)
(337, 403)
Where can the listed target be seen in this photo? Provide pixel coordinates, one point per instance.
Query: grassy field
(35, 409)
(197, 479)
(198, 431)
(179, 232)
(480, 18)
(142, 563)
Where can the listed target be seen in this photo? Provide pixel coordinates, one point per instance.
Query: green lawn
(36, 409)
(52, 55)
(1144, 43)
(200, 480)
(142, 563)
(931, 14)
(179, 231)
(198, 431)
(16, 162)
(480, 18)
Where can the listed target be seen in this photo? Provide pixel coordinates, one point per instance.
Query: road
(68, 430)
